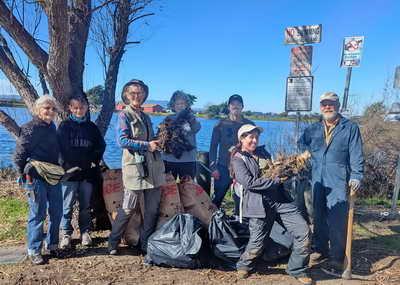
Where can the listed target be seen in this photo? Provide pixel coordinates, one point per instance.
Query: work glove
(354, 184)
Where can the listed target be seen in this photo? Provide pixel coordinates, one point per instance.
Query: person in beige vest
(142, 166)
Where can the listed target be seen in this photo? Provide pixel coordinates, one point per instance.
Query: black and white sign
(299, 94)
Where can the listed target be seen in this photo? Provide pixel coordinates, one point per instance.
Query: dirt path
(94, 266)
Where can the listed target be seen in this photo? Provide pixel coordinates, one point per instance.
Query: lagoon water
(277, 136)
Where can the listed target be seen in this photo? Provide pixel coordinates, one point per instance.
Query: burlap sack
(113, 192)
(170, 203)
(196, 201)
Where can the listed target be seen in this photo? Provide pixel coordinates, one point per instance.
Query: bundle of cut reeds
(285, 165)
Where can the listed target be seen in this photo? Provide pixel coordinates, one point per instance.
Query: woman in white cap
(262, 201)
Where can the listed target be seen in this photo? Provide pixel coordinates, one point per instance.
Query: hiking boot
(242, 274)
(333, 267)
(86, 239)
(65, 242)
(305, 280)
(36, 259)
(318, 257)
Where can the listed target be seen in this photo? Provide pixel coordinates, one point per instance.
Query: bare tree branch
(17, 78)
(103, 5)
(10, 124)
(139, 17)
(137, 42)
(43, 84)
(23, 38)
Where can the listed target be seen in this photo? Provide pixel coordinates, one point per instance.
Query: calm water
(276, 136)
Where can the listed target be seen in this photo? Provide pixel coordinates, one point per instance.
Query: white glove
(354, 184)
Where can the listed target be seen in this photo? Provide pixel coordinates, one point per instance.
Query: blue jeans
(70, 191)
(41, 198)
(221, 185)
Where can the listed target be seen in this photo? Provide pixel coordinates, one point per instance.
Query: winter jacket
(224, 136)
(342, 159)
(141, 169)
(38, 141)
(187, 156)
(81, 145)
(258, 193)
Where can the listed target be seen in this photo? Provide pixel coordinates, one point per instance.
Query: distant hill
(162, 103)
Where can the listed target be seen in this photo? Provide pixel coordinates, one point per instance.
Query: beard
(330, 116)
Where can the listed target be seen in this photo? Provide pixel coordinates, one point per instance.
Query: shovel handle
(347, 262)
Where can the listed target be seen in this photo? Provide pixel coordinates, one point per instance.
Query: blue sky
(215, 48)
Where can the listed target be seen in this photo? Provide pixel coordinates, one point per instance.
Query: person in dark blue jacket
(337, 164)
(81, 145)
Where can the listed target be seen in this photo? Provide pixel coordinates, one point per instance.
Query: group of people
(235, 158)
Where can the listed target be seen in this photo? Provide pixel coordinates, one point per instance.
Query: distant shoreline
(205, 116)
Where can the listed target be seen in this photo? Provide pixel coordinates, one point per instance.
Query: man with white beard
(337, 164)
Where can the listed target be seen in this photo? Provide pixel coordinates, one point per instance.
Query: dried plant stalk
(172, 134)
(285, 165)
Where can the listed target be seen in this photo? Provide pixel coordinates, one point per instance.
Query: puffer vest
(141, 169)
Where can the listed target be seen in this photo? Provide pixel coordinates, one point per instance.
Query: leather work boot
(242, 274)
(305, 280)
(65, 242)
(318, 257)
(86, 239)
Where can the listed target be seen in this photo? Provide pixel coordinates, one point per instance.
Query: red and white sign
(301, 61)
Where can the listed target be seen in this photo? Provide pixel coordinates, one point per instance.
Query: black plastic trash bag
(177, 243)
(227, 238)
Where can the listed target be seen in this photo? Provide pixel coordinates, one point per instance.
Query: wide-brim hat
(134, 82)
(247, 129)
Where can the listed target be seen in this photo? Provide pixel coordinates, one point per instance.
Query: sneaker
(65, 242)
(86, 239)
(36, 259)
(305, 280)
(113, 251)
(147, 262)
(242, 274)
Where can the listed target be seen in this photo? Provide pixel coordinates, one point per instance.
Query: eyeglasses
(48, 108)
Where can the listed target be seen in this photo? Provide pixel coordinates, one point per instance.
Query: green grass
(376, 202)
(13, 215)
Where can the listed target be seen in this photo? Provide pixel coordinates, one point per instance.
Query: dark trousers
(260, 229)
(180, 169)
(221, 186)
(330, 222)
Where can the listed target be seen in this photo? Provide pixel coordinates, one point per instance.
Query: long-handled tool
(347, 261)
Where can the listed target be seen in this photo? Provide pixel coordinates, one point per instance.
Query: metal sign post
(346, 90)
(396, 82)
(351, 57)
(396, 189)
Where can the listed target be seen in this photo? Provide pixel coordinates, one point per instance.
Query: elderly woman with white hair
(37, 143)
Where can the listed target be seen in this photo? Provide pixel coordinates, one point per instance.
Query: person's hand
(354, 184)
(153, 146)
(215, 174)
(283, 179)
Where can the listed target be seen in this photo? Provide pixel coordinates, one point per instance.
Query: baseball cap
(329, 96)
(236, 97)
(247, 129)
